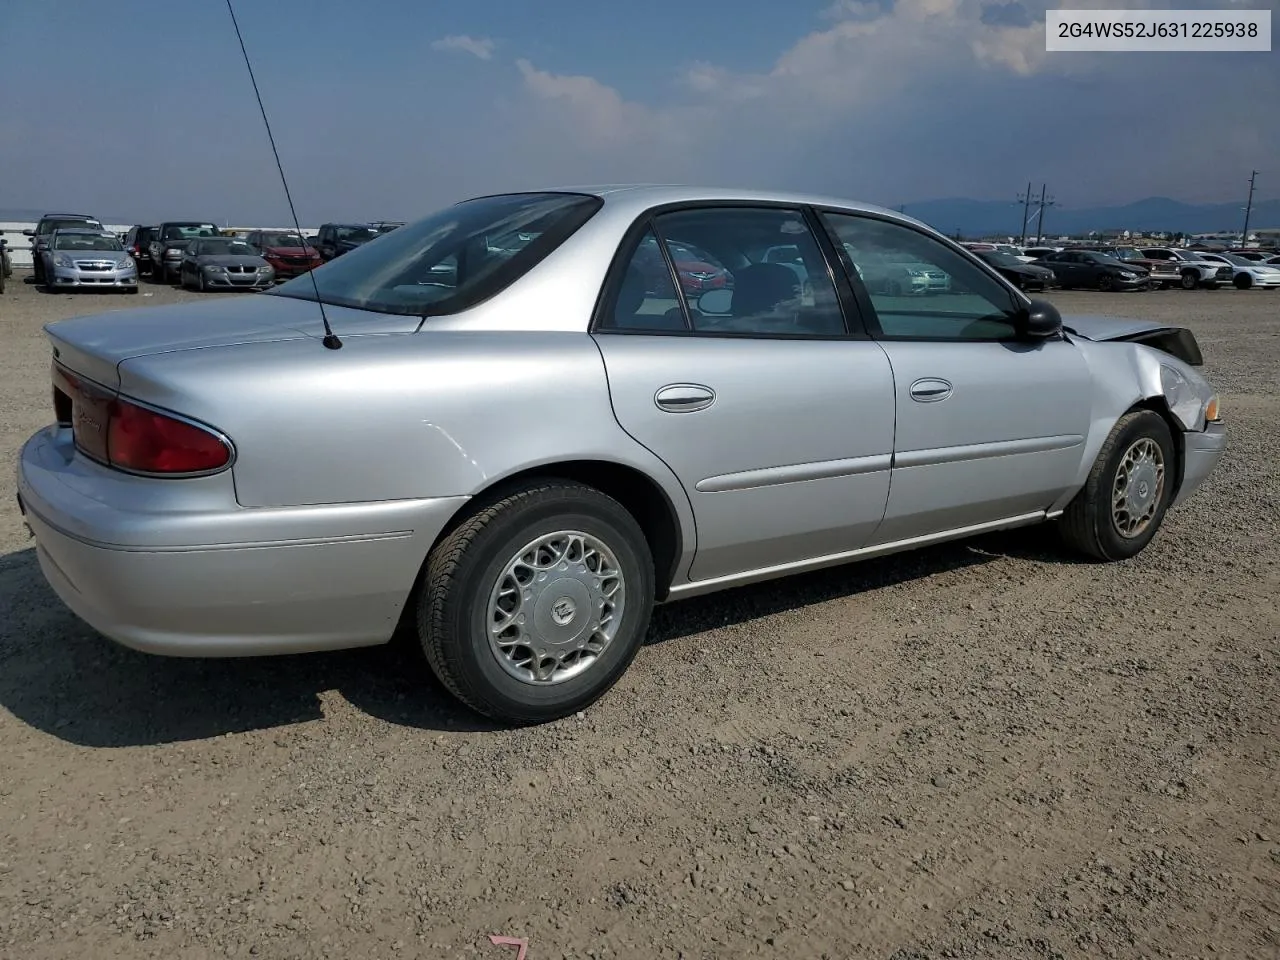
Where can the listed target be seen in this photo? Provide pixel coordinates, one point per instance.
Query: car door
(1067, 267)
(776, 416)
(990, 426)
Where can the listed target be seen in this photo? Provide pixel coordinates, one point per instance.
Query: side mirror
(1040, 321)
(28, 233)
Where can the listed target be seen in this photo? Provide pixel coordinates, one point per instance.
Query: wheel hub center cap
(562, 610)
(1142, 488)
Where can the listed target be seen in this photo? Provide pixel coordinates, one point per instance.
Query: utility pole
(1248, 209)
(1043, 204)
(1026, 209)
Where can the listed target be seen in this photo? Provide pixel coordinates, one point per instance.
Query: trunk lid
(95, 345)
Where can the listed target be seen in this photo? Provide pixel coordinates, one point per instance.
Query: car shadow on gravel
(61, 677)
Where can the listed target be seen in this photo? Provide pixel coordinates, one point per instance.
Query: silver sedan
(88, 258)
(512, 429)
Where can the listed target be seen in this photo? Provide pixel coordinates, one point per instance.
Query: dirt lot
(983, 749)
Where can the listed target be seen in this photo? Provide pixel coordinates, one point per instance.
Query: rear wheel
(534, 607)
(1123, 501)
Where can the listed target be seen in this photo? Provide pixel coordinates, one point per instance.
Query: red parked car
(698, 270)
(288, 252)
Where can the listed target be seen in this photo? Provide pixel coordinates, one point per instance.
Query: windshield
(185, 231)
(356, 234)
(223, 246)
(1126, 253)
(451, 260)
(282, 240)
(48, 226)
(86, 241)
(1000, 259)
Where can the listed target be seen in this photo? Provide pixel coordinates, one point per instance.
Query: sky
(389, 109)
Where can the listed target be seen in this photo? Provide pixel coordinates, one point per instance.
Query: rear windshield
(450, 261)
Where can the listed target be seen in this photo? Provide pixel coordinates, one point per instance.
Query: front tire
(1190, 280)
(534, 606)
(1243, 281)
(1123, 501)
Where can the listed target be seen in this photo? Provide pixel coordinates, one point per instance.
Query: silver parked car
(519, 435)
(78, 257)
(224, 263)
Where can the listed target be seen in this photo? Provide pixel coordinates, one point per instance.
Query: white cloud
(927, 97)
(481, 47)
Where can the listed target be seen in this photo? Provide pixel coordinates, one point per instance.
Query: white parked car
(1248, 273)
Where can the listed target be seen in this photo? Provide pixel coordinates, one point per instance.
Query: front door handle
(930, 390)
(684, 397)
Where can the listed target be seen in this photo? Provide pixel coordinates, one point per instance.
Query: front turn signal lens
(1212, 413)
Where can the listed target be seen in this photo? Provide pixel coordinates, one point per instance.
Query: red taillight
(149, 442)
(127, 435)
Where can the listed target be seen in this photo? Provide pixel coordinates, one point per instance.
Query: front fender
(1125, 376)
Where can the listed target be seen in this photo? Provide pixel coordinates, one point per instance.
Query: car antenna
(330, 338)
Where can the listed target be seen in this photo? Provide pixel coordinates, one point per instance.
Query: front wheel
(1123, 501)
(1190, 280)
(534, 607)
(1243, 281)
(1106, 283)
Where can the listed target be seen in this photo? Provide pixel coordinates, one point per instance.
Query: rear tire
(1122, 503)
(480, 602)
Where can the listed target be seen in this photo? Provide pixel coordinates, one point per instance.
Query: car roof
(654, 194)
(92, 231)
(69, 216)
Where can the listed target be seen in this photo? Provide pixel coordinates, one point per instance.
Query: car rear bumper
(1201, 453)
(221, 582)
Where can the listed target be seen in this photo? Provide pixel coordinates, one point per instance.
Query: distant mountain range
(1155, 214)
(974, 218)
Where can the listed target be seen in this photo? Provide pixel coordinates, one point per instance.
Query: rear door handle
(684, 397)
(930, 390)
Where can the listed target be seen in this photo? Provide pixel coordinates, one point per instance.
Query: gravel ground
(979, 750)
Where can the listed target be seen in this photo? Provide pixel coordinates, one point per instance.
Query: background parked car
(80, 257)
(45, 226)
(1024, 276)
(170, 240)
(1248, 273)
(1193, 270)
(1094, 271)
(223, 263)
(138, 242)
(1163, 273)
(288, 252)
(6, 266)
(335, 239)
